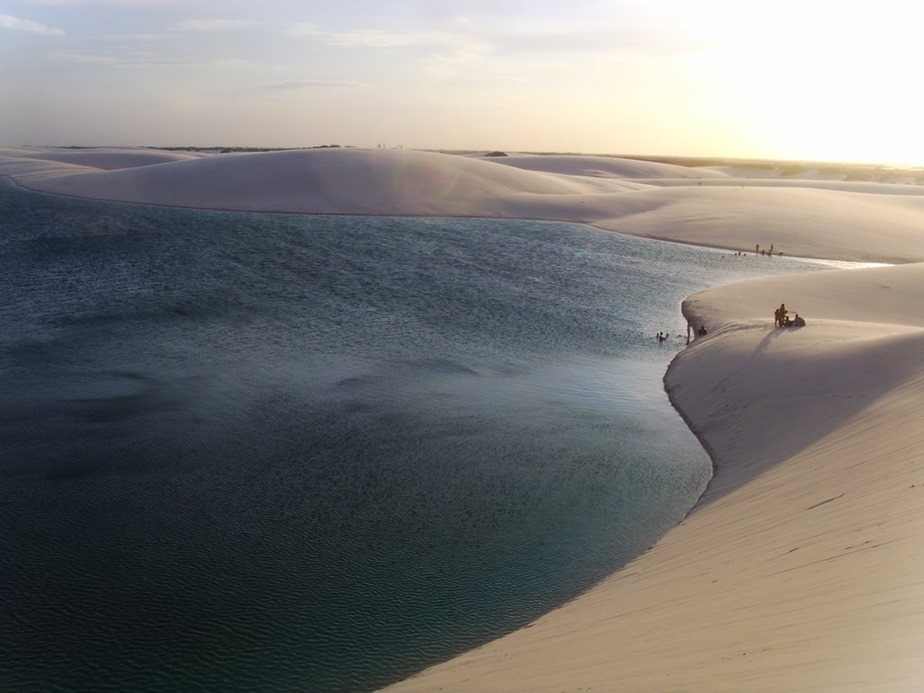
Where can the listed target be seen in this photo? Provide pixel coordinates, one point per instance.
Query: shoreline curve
(799, 567)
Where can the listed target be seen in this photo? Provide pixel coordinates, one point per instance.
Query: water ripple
(246, 452)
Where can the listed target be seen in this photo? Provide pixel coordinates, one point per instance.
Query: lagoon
(277, 452)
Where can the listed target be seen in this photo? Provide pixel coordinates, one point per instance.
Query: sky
(820, 80)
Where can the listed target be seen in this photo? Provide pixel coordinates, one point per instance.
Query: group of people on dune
(781, 318)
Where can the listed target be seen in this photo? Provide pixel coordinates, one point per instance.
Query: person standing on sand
(781, 315)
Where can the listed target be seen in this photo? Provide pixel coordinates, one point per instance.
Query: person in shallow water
(701, 331)
(798, 321)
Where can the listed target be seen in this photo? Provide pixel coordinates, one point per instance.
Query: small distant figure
(701, 331)
(689, 332)
(798, 321)
(771, 250)
(780, 317)
(661, 337)
(757, 249)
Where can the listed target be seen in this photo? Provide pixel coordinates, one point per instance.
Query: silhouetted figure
(798, 321)
(781, 316)
(702, 331)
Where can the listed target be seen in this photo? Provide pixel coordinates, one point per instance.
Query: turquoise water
(269, 452)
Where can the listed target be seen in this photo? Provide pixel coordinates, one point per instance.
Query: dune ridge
(800, 568)
(876, 222)
(335, 181)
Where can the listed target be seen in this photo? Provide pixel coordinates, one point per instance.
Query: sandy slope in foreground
(801, 567)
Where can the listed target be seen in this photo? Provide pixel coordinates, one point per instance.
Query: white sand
(802, 569)
(834, 219)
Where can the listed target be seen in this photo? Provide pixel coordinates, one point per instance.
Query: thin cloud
(111, 3)
(302, 29)
(132, 39)
(375, 39)
(372, 38)
(27, 25)
(210, 25)
(145, 62)
(369, 38)
(309, 84)
(73, 58)
(627, 39)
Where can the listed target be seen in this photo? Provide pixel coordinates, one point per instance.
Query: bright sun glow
(820, 80)
(792, 79)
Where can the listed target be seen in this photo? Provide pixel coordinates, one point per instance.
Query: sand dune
(606, 167)
(805, 222)
(801, 567)
(343, 181)
(101, 158)
(833, 219)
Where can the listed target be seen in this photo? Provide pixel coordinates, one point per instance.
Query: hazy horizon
(791, 81)
(682, 160)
